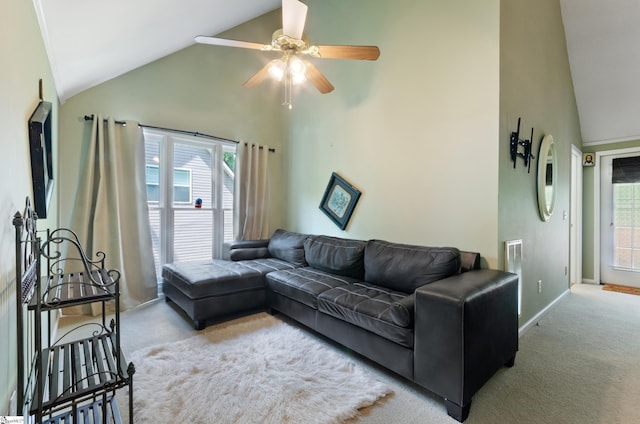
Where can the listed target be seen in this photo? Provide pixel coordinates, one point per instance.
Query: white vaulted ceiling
(91, 41)
(603, 42)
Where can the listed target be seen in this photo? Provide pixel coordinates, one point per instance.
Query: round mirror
(547, 177)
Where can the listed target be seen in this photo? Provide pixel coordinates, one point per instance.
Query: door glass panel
(620, 219)
(626, 207)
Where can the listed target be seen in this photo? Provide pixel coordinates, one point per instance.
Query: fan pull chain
(288, 87)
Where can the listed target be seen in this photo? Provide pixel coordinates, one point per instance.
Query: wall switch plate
(539, 286)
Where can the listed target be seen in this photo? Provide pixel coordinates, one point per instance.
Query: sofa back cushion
(288, 246)
(404, 267)
(335, 255)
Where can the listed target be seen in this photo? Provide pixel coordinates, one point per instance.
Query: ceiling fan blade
(318, 79)
(231, 43)
(258, 77)
(294, 16)
(349, 52)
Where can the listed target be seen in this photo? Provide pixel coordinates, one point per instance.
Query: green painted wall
(535, 84)
(415, 131)
(24, 63)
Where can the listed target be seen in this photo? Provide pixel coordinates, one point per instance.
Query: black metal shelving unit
(74, 378)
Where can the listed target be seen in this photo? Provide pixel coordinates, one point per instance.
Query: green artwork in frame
(339, 200)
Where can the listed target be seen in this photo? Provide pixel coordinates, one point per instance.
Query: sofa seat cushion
(373, 308)
(214, 277)
(304, 284)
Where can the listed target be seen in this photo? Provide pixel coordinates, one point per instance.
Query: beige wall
(415, 131)
(24, 63)
(535, 84)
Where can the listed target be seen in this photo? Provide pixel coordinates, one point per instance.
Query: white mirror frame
(547, 194)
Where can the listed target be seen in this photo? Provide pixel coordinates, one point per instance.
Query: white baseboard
(534, 321)
(589, 281)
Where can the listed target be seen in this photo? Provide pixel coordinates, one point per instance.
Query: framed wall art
(40, 144)
(339, 200)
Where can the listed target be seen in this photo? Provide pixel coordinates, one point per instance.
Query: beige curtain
(110, 213)
(250, 209)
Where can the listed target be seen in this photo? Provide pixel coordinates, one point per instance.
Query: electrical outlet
(539, 286)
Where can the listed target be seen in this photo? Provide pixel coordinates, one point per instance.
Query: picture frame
(40, 146)
(339, 200)
(588, 159)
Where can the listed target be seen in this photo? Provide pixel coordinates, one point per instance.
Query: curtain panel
(111, 214)
(251, 186)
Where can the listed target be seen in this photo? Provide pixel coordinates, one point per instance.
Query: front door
(620, 219)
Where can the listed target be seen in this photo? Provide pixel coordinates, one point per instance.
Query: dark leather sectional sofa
(428, 314)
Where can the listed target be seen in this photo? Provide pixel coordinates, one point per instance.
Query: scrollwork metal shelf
(66, 380)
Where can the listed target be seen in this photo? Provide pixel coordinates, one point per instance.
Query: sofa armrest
(466, 328)
(246, 249)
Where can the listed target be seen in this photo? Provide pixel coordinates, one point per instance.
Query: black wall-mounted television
(41, 157)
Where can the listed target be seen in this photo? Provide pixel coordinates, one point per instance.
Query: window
(190, 207)
(181, 184)
(153, 183)
(626, 212)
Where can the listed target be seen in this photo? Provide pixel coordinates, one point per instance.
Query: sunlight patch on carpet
(262, 370)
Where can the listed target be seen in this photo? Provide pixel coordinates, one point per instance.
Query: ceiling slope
(89, 42)
(602, 42)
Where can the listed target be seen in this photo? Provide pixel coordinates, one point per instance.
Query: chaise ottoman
(217, 289)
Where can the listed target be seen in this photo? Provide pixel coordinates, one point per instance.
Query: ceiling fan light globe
(296, 66)
(276, 70)
(298, 78)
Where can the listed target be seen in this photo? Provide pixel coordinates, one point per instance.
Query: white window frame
(166, 205)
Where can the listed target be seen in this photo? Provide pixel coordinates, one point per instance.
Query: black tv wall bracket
(525, 153)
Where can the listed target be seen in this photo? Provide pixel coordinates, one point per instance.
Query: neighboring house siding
(199, 161)
(193, 236)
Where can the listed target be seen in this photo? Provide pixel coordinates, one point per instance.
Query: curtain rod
(193, 133)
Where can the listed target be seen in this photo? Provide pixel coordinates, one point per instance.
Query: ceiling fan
(290, 40)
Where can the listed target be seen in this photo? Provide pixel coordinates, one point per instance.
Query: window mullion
(217, 207)
(167, 191)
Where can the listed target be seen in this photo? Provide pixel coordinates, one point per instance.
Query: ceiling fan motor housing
(281, 41)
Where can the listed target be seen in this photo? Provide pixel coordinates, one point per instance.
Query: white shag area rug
(259, 371)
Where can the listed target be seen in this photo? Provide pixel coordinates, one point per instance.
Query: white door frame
(575, 219)
(596, 205)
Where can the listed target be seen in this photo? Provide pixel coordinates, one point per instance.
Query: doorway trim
(596, 205)
(575, 218)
